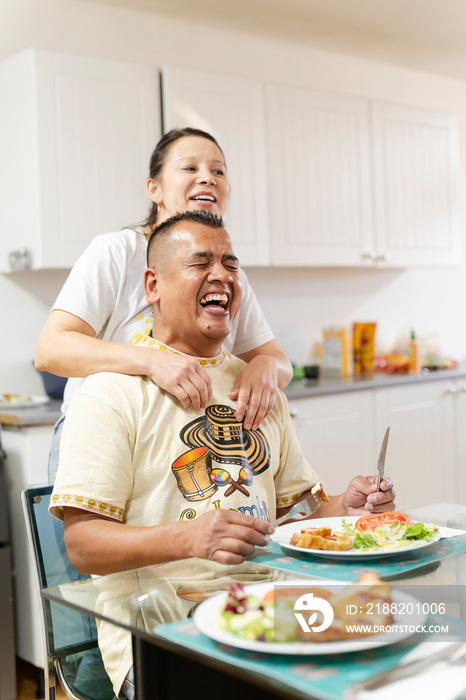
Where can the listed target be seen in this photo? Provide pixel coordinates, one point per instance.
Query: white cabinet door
(320, 198)
(336, 433)
(460, 429)
(76, 136)
(421, 451)
(232, 110)
(27, 451)
(415, 185)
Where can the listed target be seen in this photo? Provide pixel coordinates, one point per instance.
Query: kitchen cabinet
(76, 134)
(27, 451)
(326, 179)
(232, 110)
(319, 175)
(336, 433)
(416, 176)
(458, 391)
(360, 182)
(341, 434)
(421, 455)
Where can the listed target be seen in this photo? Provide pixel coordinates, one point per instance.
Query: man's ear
(151, 287)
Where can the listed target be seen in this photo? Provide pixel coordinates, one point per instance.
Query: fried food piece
(319, 491)
(358, 611)
(310, 540)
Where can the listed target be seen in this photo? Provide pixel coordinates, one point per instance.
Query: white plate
(35, 401)
(282, 536)
(207, 614)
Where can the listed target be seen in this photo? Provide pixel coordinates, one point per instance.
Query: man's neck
(207, 350)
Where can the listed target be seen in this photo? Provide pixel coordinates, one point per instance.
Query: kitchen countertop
(306, 388)
(49, 413)
(46, 414)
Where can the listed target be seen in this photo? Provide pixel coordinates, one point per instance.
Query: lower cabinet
(337, 435)
(26, 463)
(341, 436)
(421, 455)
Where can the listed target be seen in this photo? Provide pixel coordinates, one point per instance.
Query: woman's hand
(182, 377)
(255, 390)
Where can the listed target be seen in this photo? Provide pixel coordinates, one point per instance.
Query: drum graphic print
(192, 473)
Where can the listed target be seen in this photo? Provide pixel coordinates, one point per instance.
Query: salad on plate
(389, 530)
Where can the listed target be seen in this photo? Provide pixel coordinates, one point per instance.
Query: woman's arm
(256, 386)
(68, 347)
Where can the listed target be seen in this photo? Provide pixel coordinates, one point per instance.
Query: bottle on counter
(414, 365)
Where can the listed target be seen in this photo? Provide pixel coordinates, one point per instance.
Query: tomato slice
(370, 522)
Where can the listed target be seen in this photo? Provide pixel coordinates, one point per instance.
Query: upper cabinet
(355, 182)
(319, 154)
(317, 179)
(233, 111)
(416, 176)
(76, 136)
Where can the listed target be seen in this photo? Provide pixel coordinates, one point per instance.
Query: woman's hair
(159, 154)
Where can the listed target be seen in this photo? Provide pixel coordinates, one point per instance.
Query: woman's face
(193, 176)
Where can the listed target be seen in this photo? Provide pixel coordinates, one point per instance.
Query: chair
(73, 655)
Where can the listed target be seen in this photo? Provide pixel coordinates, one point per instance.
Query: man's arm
(224, 536)
(360, 498)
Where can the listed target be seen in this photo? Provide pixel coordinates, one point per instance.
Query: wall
(299, 302)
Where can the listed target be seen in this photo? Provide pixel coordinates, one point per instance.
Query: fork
(410, 668)
(301, 510)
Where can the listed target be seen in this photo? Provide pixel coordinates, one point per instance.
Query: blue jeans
(55, 449)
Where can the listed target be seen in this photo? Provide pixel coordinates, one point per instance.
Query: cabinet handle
(19, 260)
(452, 389)
(293, 412)
(383, 257)
(370, 255)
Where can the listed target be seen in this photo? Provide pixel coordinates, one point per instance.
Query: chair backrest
(69, 634)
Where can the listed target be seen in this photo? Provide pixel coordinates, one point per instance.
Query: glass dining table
(174, 659)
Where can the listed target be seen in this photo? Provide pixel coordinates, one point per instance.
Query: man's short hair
(206, 218)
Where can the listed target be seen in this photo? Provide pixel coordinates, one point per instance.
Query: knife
(381, 462)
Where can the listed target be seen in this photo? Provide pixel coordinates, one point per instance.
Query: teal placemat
(350, 570)
(324, 677)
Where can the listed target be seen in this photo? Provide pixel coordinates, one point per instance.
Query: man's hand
(181, 376)
(226, 536)
(255, 390)
(362, 497)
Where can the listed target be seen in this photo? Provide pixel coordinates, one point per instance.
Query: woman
(102, 308)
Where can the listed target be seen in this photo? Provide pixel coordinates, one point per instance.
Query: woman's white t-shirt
(105, 289)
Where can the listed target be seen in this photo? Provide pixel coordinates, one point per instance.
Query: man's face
(195, 289)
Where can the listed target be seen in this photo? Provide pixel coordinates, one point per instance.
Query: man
(142, 480)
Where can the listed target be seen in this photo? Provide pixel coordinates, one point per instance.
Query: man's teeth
(204, 198)
(221, 298)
